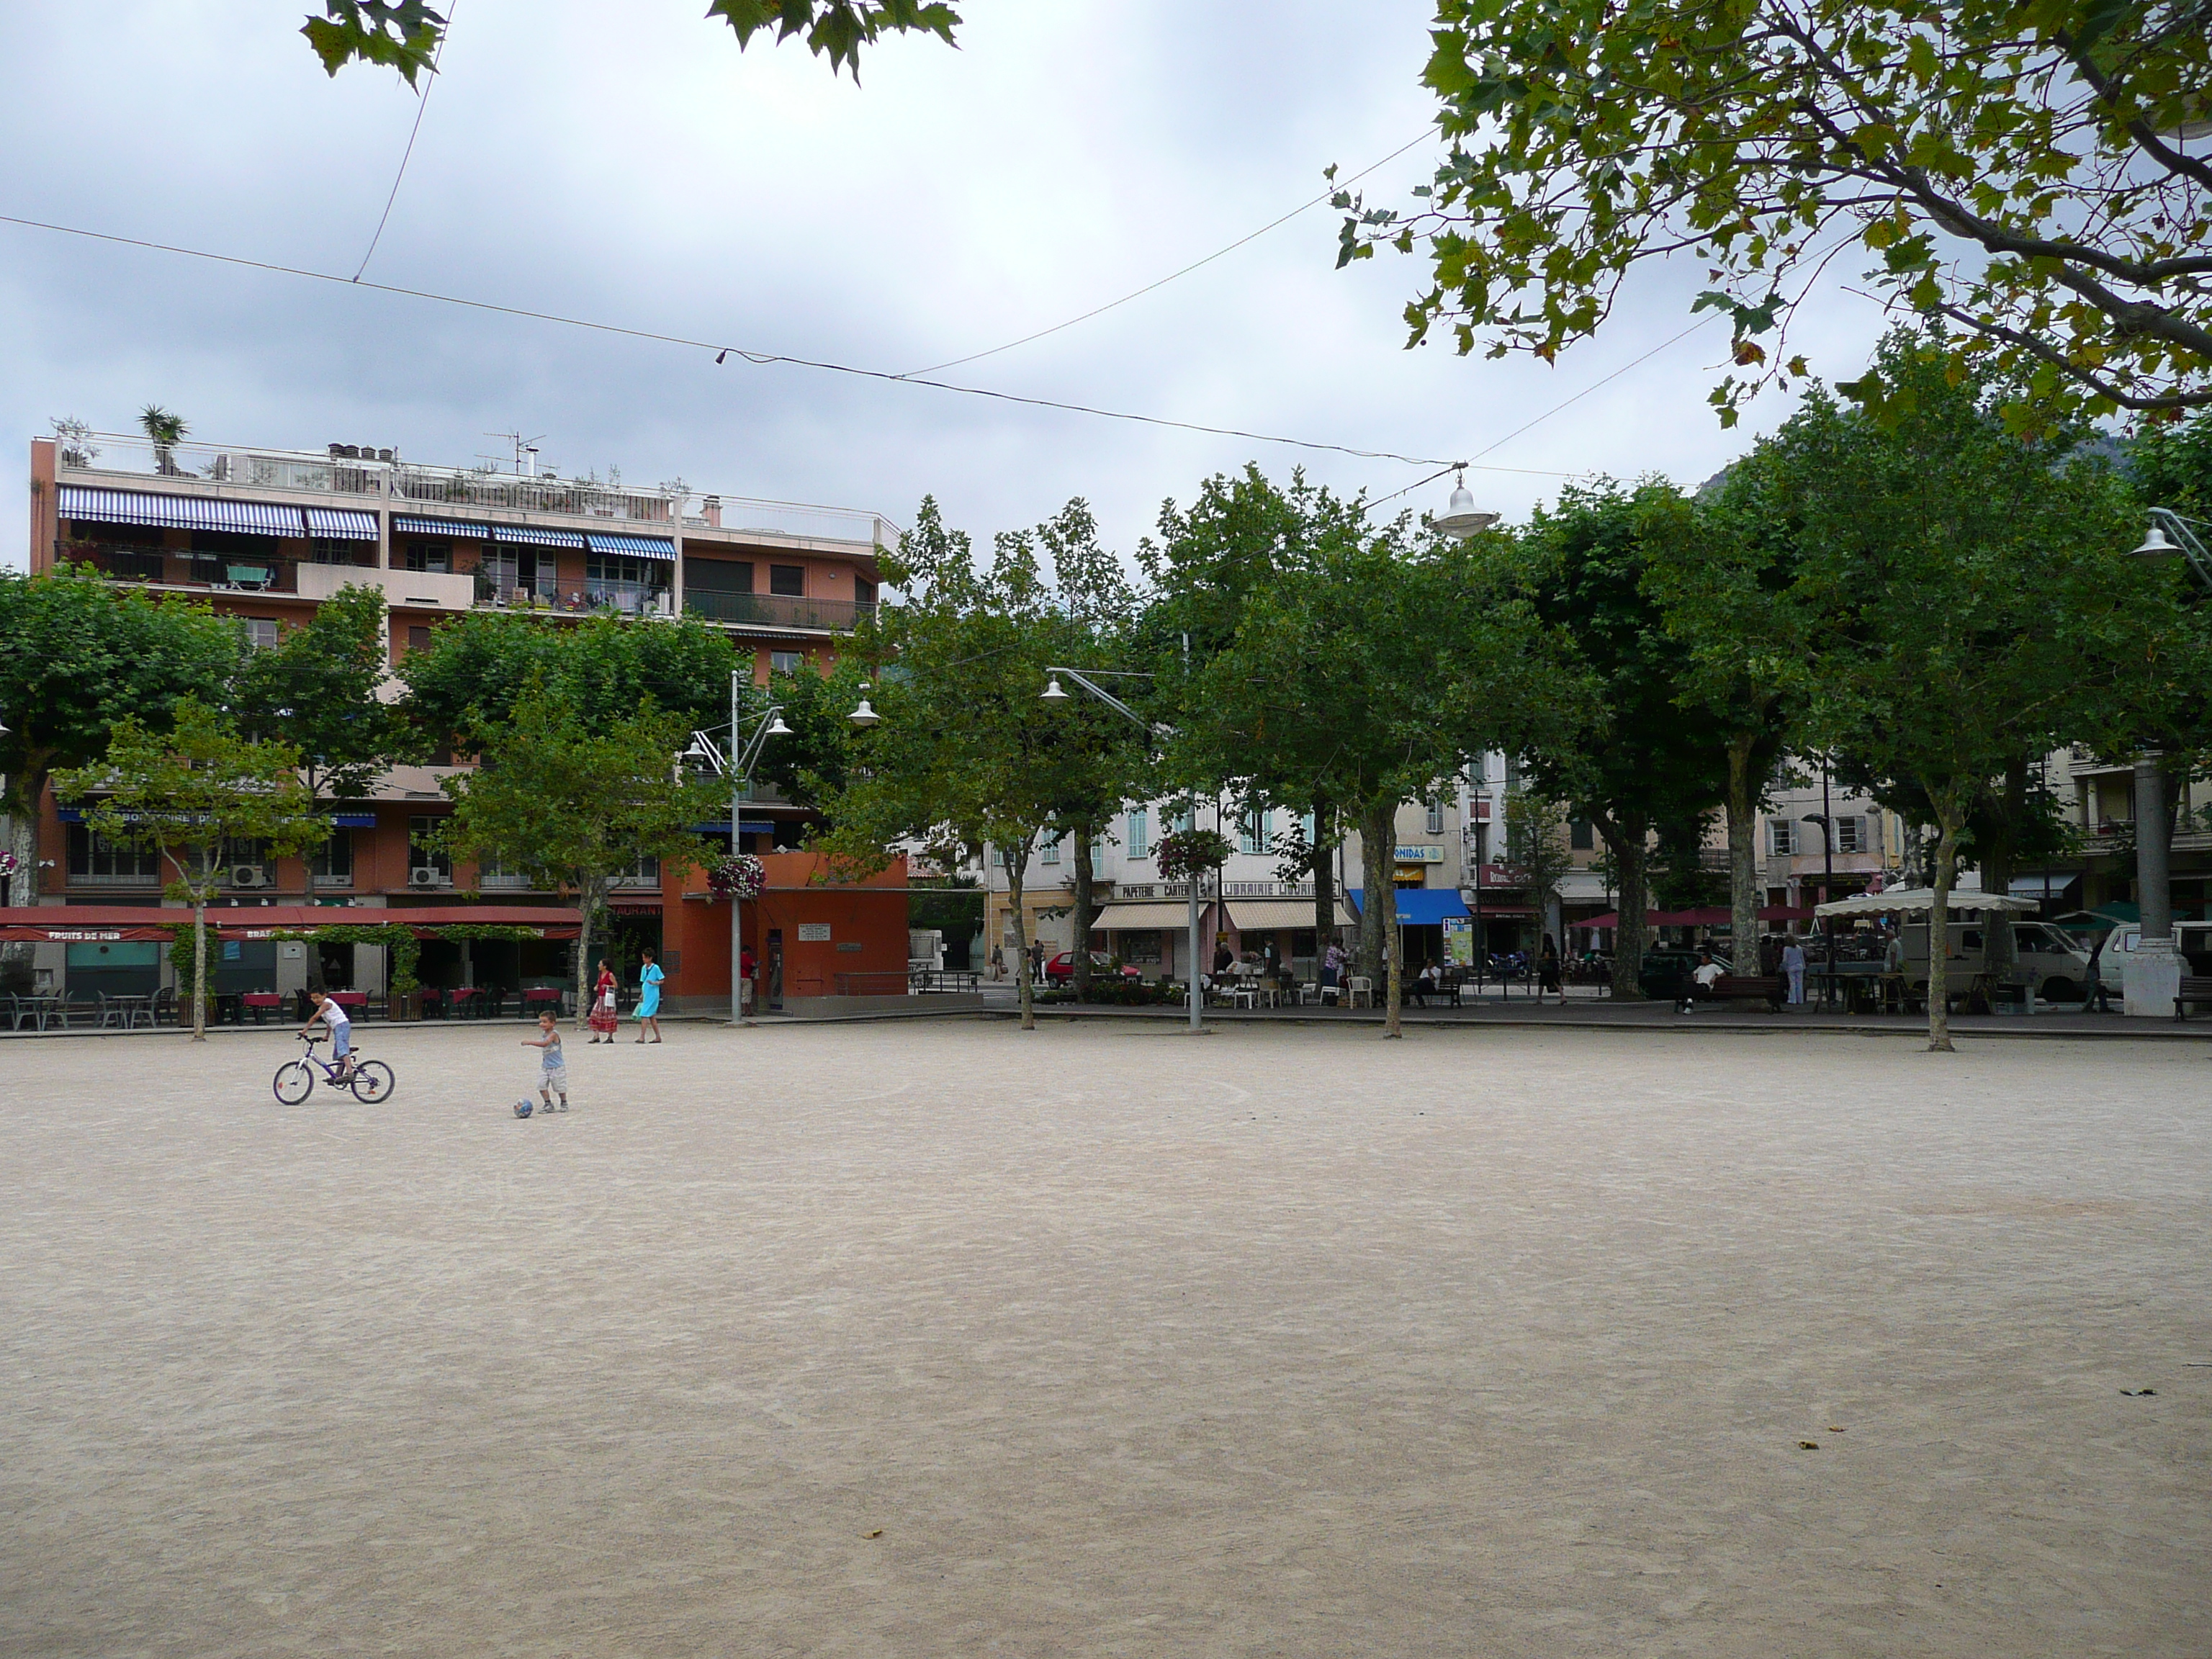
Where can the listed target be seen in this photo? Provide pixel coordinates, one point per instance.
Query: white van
(2059, 964)
(2193, 939)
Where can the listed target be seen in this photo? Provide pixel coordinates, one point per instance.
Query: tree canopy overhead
(2022, 173)
(405, 34)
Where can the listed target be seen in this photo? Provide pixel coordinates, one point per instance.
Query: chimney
(713, 508)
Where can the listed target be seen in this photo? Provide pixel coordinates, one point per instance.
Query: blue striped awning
(474, 532)
(531, 535)
(179, 512)
(343, 524)
(632, 547)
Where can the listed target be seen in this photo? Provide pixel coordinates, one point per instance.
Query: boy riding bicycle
(341, 1030)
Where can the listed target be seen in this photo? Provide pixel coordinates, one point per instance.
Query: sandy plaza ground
(934, 1338)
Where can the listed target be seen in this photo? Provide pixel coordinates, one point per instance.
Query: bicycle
(371, 1080)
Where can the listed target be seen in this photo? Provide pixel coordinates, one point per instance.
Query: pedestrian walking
(1037, 961)
(553, 1068)
(1548, 973)
(1793, 966)
(1331, 971)
(602, 1020)
(748, 966)
(648, 996)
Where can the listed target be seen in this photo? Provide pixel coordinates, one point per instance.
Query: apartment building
(266, 535)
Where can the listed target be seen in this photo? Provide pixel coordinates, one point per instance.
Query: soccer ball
(523, 1108)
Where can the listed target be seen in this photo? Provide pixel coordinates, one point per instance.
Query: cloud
(655, 176)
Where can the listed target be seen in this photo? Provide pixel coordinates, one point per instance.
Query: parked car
(1061, 969)
(2060, 965)
(1666, 971)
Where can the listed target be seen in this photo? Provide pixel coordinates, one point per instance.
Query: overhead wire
(1139, 294)
(421, 106)
(756, 357)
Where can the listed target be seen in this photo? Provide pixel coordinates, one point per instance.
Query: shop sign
(83, 935)
(813, 933)
(1430, 854)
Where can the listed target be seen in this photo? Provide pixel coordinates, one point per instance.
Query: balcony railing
(780, 610)
(233, 573)
(390, 480)
(381, 475)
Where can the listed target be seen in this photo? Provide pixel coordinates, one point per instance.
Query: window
(1252, 832)
(1850, 835)
(429, 556)
(1582, 835)
(1306, 827)
(864, 590)
(418, 639)
(246, 854)
(260, 634)
(331, 864)
(343, 550)
(640, 873)
(1140, 832)
(1781, 838)
(1051, 853)
(1435, 819)
(1182, 819)
(93, 858)
(788, 579)
(717, 575)
(421, 855)
(786, 662)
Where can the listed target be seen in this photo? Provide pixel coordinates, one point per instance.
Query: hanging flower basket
(1189, 854)
(738, 876)
(7, 864)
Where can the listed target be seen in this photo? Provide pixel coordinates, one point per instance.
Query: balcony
(780, 610)
(216, 573)
(381, 476)
(378, 475)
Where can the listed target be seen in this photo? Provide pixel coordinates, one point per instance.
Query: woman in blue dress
(648, 1001)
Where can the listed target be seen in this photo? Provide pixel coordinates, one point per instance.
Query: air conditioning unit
(249, 875)
(423, 876)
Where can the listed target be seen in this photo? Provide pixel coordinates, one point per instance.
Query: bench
(1736, 988)
(2193, 989)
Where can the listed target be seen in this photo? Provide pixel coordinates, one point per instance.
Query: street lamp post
(1828, 823)
(2152, 974)
(1053, 692)
(737, 765)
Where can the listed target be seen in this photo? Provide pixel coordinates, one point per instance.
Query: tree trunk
(587, 903)
(2000, 951)
(1084, 911)
(1016, 858)
(1378, 831)
(1375, 872)
(1939, 931)
(199, 968)
(1743, 856)
(1324, 886)
(1625, 837)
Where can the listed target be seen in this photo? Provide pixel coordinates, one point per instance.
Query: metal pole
(737, 904)
(1197, 998)
(2154, 835)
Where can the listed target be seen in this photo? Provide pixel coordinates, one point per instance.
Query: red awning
(70, 923)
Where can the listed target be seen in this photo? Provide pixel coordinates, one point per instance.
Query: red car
(1061, 967)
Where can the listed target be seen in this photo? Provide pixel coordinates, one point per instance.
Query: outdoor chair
(1362, 986)
(16, 1012)
(165, 1005)
(71, 1009)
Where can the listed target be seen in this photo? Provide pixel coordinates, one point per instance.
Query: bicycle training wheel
(372, 1082)
(294, 1083)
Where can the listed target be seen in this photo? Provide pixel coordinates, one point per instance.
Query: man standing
(1793, 965)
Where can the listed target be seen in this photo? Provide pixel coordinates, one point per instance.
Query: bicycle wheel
(372, 1082)
(294, 1082)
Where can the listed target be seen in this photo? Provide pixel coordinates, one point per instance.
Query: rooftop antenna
(526, 452)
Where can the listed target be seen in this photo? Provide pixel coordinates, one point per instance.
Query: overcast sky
(656, 177)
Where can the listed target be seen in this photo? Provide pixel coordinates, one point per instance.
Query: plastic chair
(1362, 986)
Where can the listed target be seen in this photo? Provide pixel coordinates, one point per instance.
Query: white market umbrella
(1918, 900)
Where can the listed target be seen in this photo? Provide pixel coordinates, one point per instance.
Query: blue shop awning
(531, 535)
(1418, 907)
(632, 547)
(354, 820)
(341, 524)
(461, 527)
(143, 506)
